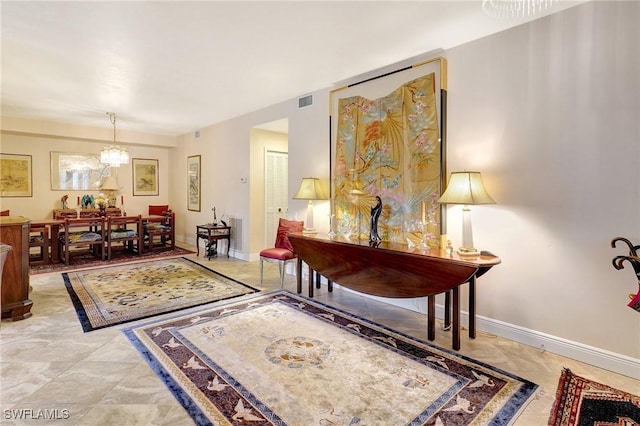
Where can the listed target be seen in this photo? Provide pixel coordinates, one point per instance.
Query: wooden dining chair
(85, 232)
(125, 230)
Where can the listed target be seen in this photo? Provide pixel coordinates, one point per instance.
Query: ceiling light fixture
(515, 8)
(114, 155)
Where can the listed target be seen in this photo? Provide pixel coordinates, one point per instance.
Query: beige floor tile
(47, 362)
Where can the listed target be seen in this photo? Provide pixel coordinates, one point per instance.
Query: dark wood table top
(387, 269)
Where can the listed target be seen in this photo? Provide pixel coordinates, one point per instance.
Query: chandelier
(508, 8)
(114, 155)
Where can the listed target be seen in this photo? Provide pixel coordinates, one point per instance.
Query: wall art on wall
(15, 175)
(193, 179)
(145, 176)
(77, 171)
(388, 141)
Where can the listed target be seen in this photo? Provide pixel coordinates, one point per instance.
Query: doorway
(276, 196)
(267, 140)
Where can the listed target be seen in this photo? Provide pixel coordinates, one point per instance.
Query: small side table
(211, 234)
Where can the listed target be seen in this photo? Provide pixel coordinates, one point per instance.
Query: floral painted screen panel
(391, 147)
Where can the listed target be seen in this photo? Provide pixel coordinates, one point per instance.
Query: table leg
(330, 285)
(299, 276)
(228, 244)
(310, 282)
(472, 307)
(55, 243)
(197, 244)
(318, 280)
(431, 317)
(456, 318)
(447, 310)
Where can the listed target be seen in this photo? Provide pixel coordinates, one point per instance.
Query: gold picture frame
(145, 176)
(16, 175)
(194, 183)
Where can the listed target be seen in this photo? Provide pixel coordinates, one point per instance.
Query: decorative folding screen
(391, 147)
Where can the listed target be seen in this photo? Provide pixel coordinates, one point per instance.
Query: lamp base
(309, 231)
(467, 251)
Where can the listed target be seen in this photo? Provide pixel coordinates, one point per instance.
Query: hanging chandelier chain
(112, 118)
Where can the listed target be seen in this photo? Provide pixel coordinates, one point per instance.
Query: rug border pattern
(59, 268)
(86, 308)
(571, 392)
(517, 391)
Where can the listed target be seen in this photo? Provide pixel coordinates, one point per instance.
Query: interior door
(276, 192)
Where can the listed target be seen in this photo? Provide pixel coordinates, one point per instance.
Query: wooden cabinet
(14, 283)
(160, 230)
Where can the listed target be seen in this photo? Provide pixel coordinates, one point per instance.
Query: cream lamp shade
(466, 188)
(110, 184)
(310, 189)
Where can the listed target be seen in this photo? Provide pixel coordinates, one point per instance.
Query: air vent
(197, 134)
(236, 233)
(305, 101)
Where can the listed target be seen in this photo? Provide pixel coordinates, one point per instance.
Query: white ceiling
(172, 67)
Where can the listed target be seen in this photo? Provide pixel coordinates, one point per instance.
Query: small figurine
(63, 201)
(449, 249)
(215, 219)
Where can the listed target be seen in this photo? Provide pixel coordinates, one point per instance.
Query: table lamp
(466, 188)
(111, 187)
(310, 189)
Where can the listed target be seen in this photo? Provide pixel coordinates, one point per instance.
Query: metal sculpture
(634, 260)
(375, 215)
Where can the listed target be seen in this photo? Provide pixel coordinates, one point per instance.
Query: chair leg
(261, 268)
(281, 266)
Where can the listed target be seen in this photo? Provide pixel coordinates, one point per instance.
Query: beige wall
(39, 139)
(550, 113)
(226, 153)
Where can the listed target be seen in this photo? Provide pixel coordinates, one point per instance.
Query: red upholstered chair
(5, 213)
(158, 210)
(283, 251)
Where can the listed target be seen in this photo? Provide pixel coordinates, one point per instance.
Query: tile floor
(98, 378)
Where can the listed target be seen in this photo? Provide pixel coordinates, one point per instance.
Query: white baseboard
(601, 358)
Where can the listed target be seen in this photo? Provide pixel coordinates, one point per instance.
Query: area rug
(580, 401)
(86, 260)
(282, 359)
(113, 295)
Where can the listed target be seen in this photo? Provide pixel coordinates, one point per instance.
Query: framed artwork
(145, 176)
(16, 179)
(73, 171)
(388, 140)
(193, 179)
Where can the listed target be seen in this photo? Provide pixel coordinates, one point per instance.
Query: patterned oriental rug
(86, 260)
(107, 296)
(580, 401)
(282, 359)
